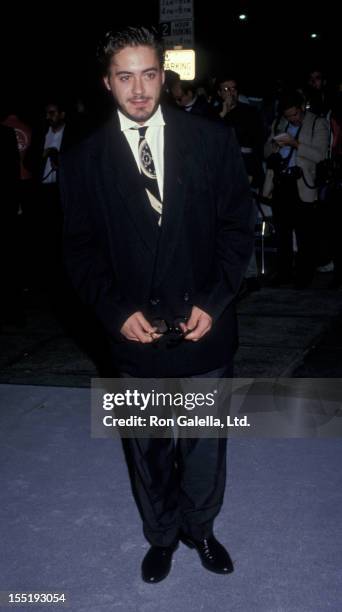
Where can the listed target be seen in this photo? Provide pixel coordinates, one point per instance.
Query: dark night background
(52, 49)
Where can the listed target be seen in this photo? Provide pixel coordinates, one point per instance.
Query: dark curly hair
(130, 36)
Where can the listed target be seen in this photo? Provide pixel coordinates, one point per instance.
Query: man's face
(136, 81)
(294, 115)
(54, 116)
(316, 80)
(228, 91)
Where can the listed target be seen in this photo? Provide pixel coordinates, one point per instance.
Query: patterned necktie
(148, 174)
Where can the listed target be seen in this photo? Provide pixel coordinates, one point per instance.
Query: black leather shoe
(213, 555)
(157, 563)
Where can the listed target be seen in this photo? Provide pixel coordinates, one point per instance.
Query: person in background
(298, 141)
(316, 93)
(186, 96)
(56, 135)
(248, 127)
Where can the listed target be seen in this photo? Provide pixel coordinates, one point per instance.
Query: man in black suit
(54, 136)
(186, 96)
(158, 232)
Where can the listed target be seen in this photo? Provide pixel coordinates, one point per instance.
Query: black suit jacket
(120, 261)
(202, 108)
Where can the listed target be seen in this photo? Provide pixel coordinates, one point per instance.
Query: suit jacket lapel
(121, 174)
(173, 201)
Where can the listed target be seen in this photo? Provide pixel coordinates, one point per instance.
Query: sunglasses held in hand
(172, 332)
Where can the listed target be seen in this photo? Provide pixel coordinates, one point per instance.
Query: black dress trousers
(178, 484)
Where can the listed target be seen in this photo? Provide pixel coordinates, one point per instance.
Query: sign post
(176, 22)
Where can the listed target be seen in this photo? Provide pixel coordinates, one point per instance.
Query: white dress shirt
(52, 140)
(154, 137)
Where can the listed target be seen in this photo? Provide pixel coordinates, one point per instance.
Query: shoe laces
(206, 549)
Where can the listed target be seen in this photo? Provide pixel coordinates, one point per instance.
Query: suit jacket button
(154, 301)
(186, 297)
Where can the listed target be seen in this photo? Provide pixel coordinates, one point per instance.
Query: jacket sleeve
(235, 231)
(268, 149)
(317, 150)
(87, 265)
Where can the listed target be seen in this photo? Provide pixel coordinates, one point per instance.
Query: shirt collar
(52, 133)
(157, 120)
(190, 105)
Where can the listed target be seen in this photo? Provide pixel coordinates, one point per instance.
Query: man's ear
(106, 82)
(163, 77)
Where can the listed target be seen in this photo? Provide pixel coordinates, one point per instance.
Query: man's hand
(227, 106)
(287, 141)
(53, 154)
(199, 324)
(138, 329)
